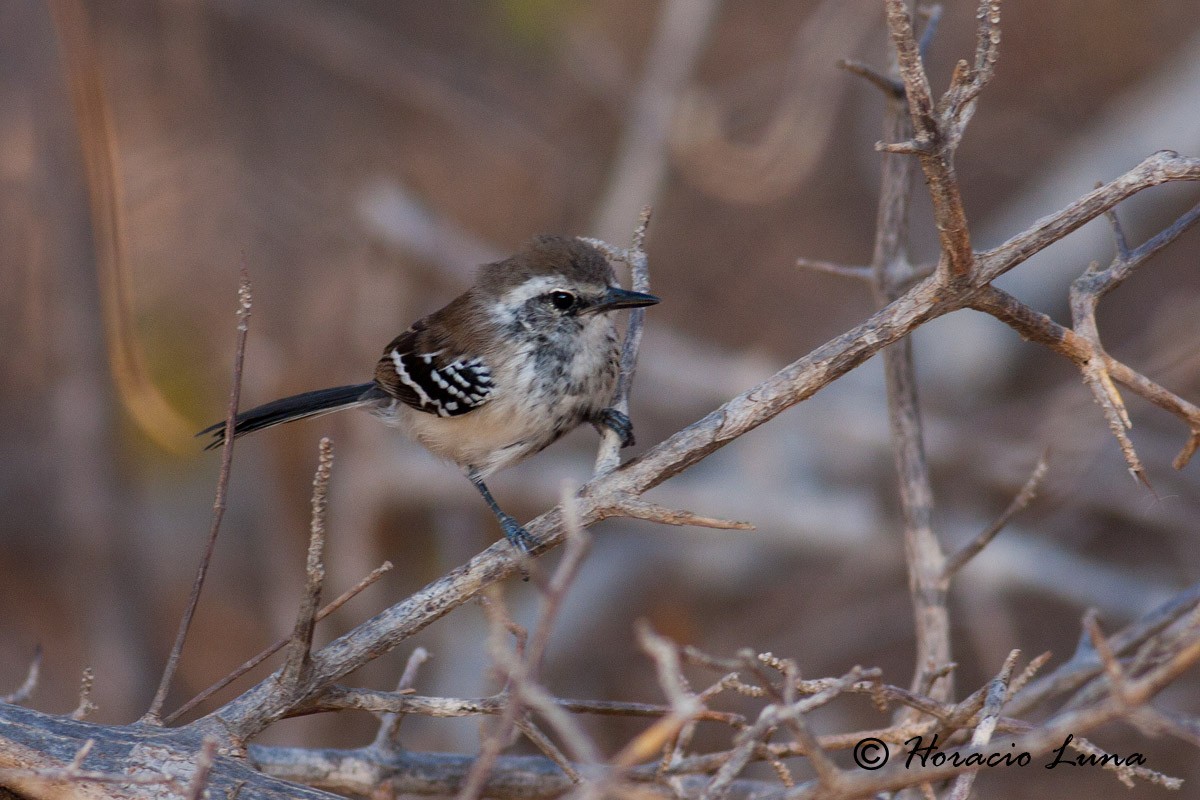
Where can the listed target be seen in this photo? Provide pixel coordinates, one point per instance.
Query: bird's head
(555, 283)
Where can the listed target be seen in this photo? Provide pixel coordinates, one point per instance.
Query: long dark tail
(299, 406)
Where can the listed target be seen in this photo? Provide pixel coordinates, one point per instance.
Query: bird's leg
(517, 536)
(617, 422)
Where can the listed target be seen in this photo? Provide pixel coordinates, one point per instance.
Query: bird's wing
(435, 381)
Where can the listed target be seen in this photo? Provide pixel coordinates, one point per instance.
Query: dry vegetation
(726, 721)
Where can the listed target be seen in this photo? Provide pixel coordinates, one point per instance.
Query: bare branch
(578, 545)
(296, 665)
(341, 697)
(997, 693)
(389, 724)
(86, 706)
(245, 301)
(1112, 667)
(608, 456)
(543, 742)
(1018, 504)
(891, 87)
(1082, 668)
(25, 690)
(936, 132)
(1094, 362)
(340, 601)
(1124, 772)
(642, 509)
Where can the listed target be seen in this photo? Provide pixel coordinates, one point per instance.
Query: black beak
(617, 297)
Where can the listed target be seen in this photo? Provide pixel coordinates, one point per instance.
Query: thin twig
(154, 713)
(246, 666)
(1040, 328)
(86, 706)
(1125, 772)
(933, 17)
(1027, 674)
(924, 556)
(296, 664)
(521, 668)
(338, 698)
(476, 780)
(1081, 669)
(25, 690)
(1108, 659)
(643, 509)
(1017, 505)
(578, 545)
(543, 742)
(608, 456)
(997, 693)
(889, 85)
(1085, 295)
(1042, 739)
(685, 707)
(937, 130)
(389, 723)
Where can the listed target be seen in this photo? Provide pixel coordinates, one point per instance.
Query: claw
(517, 536)
(619, 424)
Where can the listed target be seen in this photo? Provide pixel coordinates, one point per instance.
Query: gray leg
(617, 422)
(517, 536)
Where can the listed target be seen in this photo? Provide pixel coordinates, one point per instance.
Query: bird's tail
(299, 406)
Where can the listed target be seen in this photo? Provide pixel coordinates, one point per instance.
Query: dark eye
(562, 300)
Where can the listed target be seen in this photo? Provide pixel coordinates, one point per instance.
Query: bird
(526, 354)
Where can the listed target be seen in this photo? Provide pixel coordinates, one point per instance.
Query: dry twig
(1019, 503)
(279, 644)
(388, 736)
(85, 706)
(609, 453)
(25, 690)
(245, 301)
(299, 649)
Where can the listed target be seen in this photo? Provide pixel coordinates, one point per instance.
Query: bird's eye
(561, 300)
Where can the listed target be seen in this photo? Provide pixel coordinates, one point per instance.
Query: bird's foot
(619, 424)
(517, 536)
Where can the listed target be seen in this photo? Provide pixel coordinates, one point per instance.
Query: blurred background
(360, 158)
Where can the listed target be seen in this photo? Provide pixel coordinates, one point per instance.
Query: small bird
(525, 355)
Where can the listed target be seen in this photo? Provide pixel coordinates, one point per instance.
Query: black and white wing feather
(438, 383)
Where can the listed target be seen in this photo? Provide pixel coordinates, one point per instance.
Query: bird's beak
(617, 297)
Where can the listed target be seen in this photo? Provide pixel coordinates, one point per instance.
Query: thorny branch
(889, 267)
